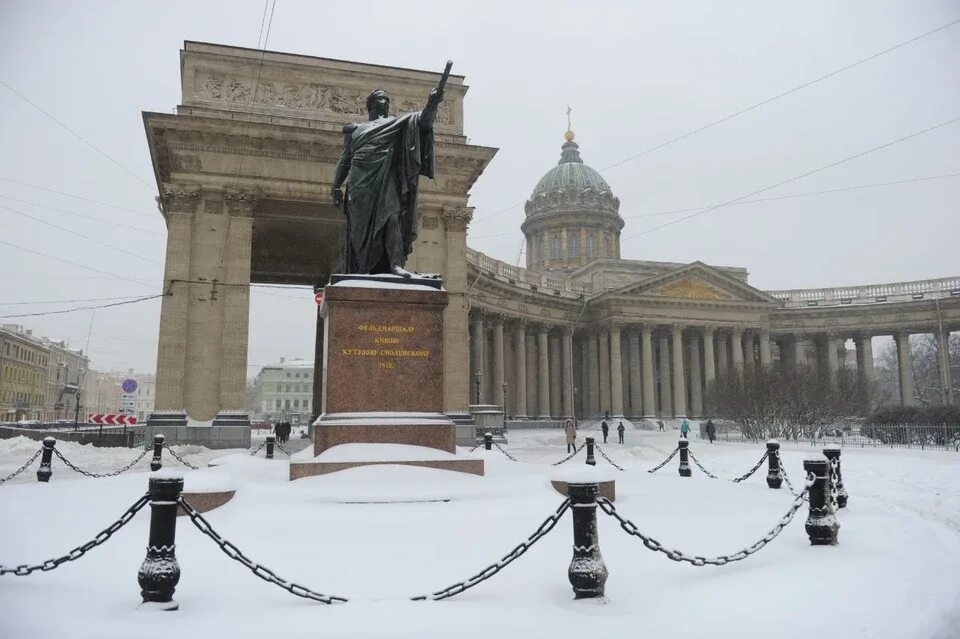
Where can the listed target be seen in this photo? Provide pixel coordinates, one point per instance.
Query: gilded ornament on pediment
(690, 288)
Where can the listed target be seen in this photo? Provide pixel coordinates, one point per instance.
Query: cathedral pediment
(697, 281)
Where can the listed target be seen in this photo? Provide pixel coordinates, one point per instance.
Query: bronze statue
(380, 166)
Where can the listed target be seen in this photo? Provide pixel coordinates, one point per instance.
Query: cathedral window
(557, 247)
(591, 245)
(574, 248)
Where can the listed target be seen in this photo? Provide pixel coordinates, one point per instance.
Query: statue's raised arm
(436, 97)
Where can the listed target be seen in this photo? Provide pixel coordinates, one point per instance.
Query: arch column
(904, 368)
(520, 392)
(646, 353)
(679, 383)
(616, 374)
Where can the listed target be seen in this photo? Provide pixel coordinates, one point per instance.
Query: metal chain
(570, 456)
(80, 551)
(283, 449)
(783, 475)
(475, 447)
(700, 466)
(605, 456)
(254, 453)
(500, 448)
(73, 467)
(179, 458)
(696, 560)
(259, 570)
(664, 462)
(22, 468)
(751, 471)
(506, 560)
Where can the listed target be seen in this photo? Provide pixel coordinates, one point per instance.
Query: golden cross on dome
(569, 134)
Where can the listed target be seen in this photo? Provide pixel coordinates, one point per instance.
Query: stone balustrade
(870, 294)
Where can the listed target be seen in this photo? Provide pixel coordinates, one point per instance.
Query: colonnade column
(746, 348)
(905, 368)
(646, 353)
(543, 373)
(765, 357)
(556, 377)
(736, 349)
(709, 366)
(696, 389)
(666, 404)
(593, 377)
(943, 359)
(566, 355)
(520, 392)
(723, 353)
(478, 357)
(616, 375)
(799, 354)
(833, 360)
(603, 347)
(533, 377)
(633, 363)
(679, 383)
(865, 371)
(584, 388)
(498, 364)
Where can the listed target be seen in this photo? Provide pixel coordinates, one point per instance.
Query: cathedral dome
(571, 175)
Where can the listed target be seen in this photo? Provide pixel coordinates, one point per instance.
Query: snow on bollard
(833, 454)
(45, 470)
(821, 523)
(587, 572)
(155, 463)
(683, 445)
(591, 460)
(488, 441)
(270, 441)
(774, 478)
(160, 572)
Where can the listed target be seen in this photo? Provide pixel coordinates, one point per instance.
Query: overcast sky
(636, 74)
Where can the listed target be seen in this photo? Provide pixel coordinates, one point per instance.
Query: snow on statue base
(383, 377)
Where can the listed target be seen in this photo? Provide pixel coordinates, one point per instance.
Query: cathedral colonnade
(547, 371)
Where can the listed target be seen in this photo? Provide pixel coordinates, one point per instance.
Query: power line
(77, 135)
(77, 197)
(262, 18)
(80, 235)
(796, 177)
(90, 299)
(65, 261)
(82, 215)
(756, 105)
(85, 308)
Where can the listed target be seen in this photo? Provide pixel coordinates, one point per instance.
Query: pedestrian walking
(570, 430)
(620, 430)
(606, 430)
(660, 424)
(711, 430)
(684, 429)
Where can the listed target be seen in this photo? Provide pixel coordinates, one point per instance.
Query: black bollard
(684, 458)
(774, 478)
(591, 460)
(833, 454)
(821, 523)
(45, 471)
(587, 572)
(488, 441)
(155, 463)
(160, 572)
(270, 441)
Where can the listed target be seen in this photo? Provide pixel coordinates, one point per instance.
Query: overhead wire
(82, 215)
(84, 308)
(75, 196)
(71, 263)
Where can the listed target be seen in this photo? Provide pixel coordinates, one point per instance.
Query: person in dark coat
(711, 430)
(606, 431)
(620, 430)
(660, 425)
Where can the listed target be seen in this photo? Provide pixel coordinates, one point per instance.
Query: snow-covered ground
(893, 575)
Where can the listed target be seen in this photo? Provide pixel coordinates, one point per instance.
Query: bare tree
(924, 362)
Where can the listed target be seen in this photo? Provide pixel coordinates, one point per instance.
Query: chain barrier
(259, 570)
(783, 475)
(570, 456)
(834, 489)
(605, 456)
(80, 551)
(288, 453)
(700, 466)
(75, 468)
(505, 561)
(664, 462)
(695, 560)
(750, 472)
(22, 468)
(179, 458)
(479, 444)
(254, 453)
(500, 448)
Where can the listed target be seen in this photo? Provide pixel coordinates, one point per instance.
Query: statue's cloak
(386, 158)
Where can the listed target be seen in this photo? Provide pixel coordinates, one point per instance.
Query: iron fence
(916, 436)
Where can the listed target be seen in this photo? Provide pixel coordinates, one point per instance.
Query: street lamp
(576, 393)
(76, 409)
(477, 376)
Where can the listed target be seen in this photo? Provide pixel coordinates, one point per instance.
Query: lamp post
(504, 399)
(477, 376)
(576, 393)
(76, 409)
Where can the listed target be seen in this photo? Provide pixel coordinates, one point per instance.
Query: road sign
(111, 419)
(318, 297)
(129, 385)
